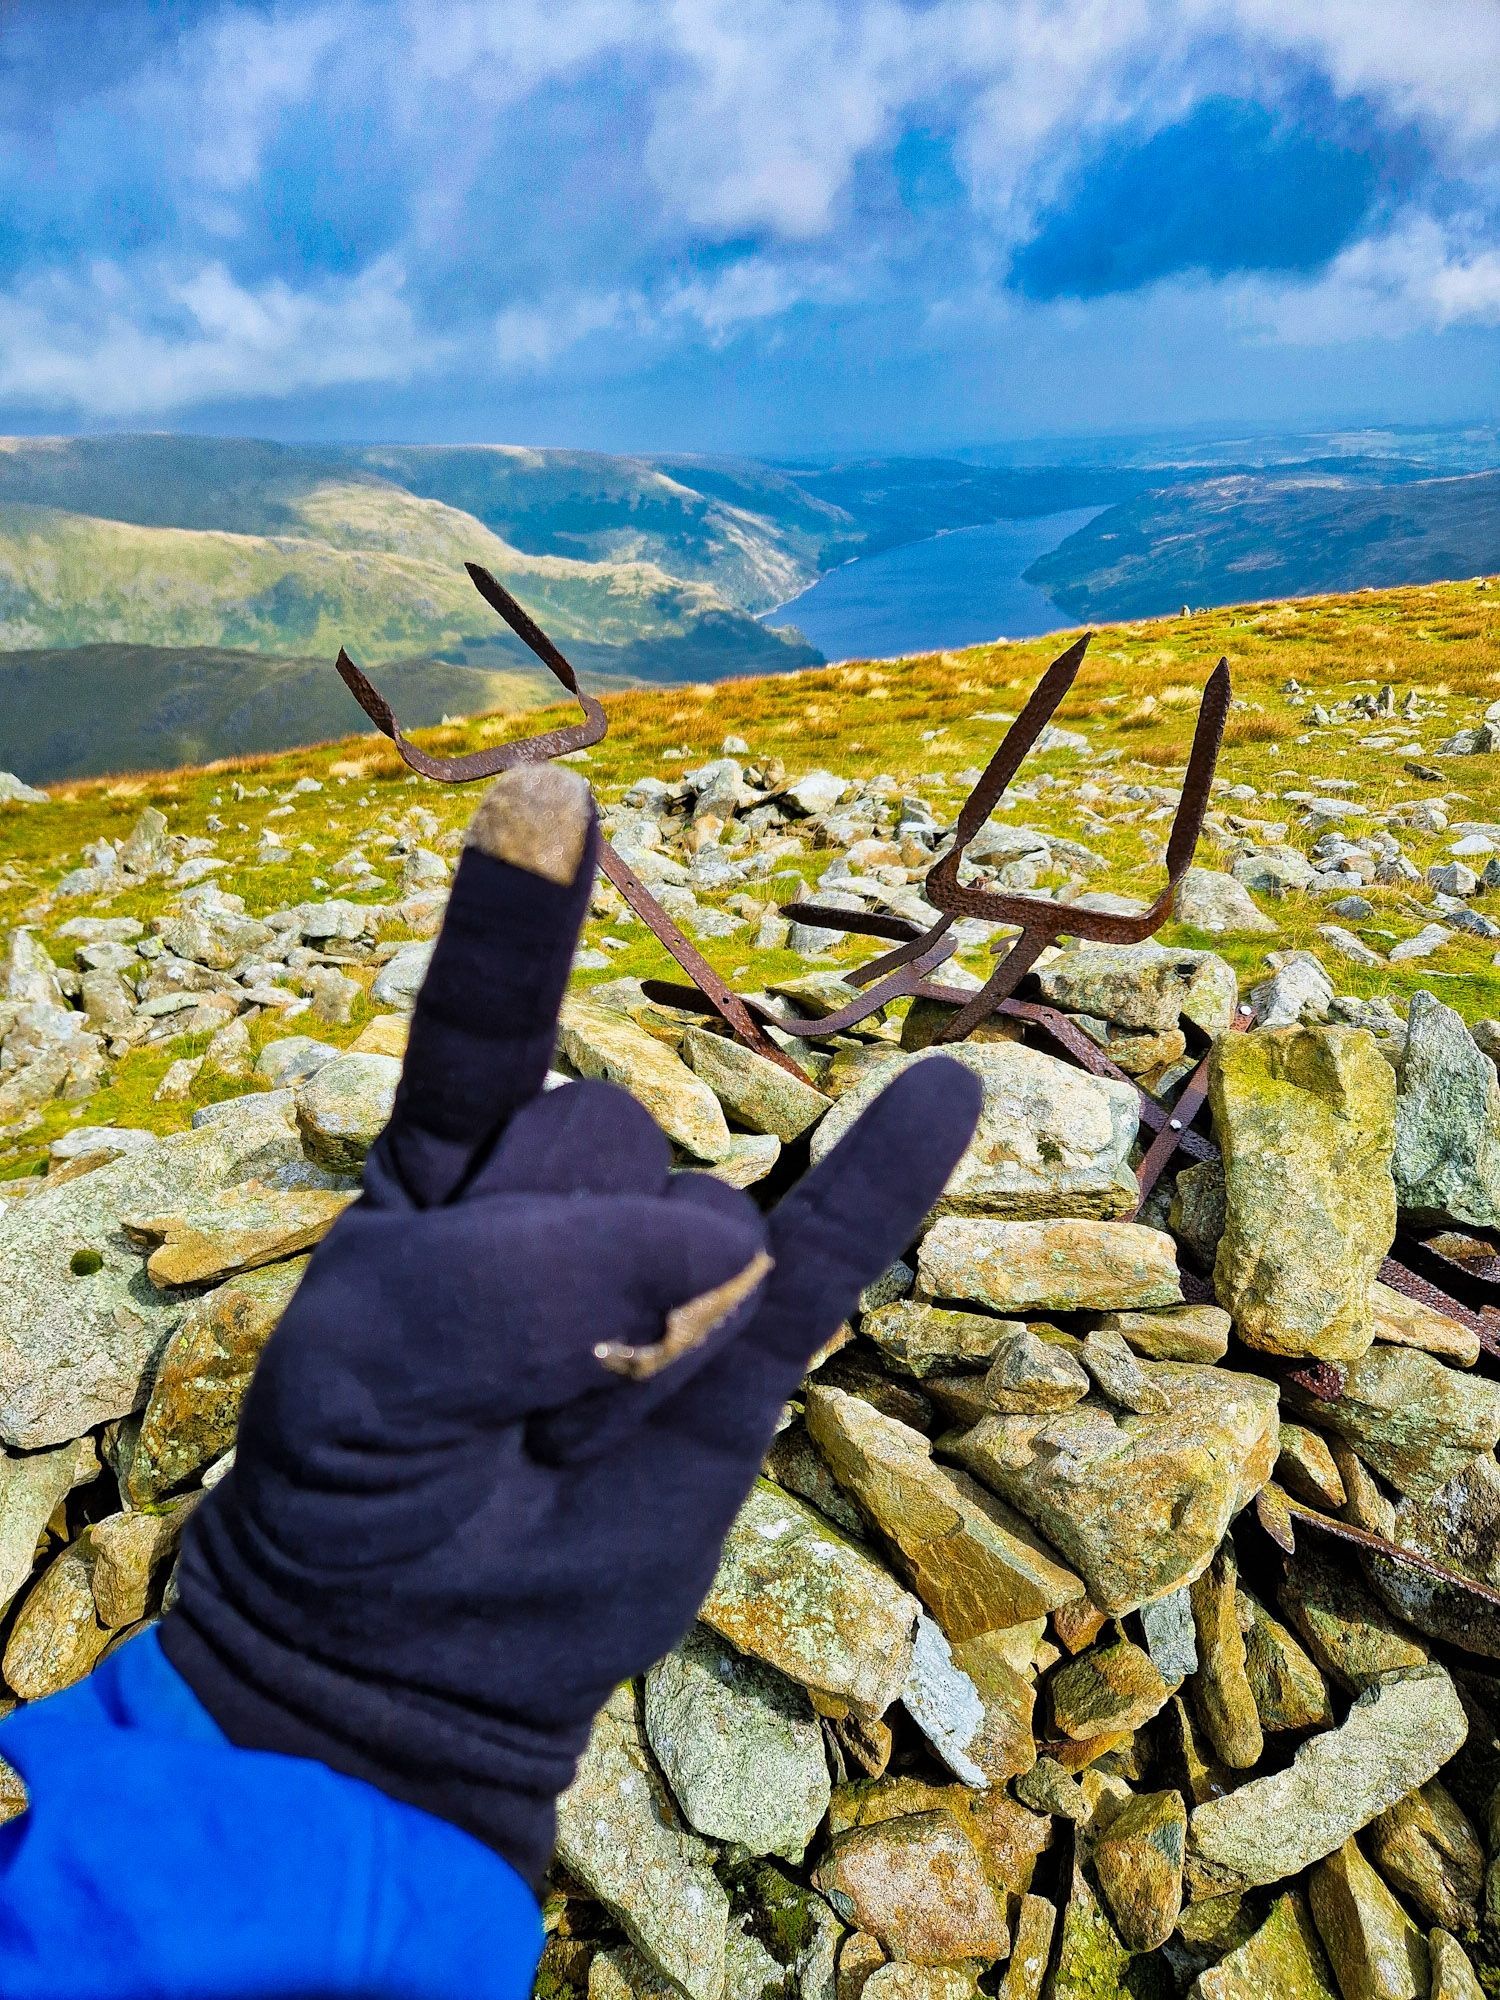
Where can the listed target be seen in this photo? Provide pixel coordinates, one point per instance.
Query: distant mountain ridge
(191, 592)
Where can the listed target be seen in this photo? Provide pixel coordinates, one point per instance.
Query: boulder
(1136, 1504)
(1416, 1422)
(1146, 986)
(974, 1563)
(1447, 1150)
(1211, 901)
(1106, 1691)
(1425, 1847)
(1174, 1333)
(918, 1884)
(619, 1835)
(1062, 1266)
(204, 1241)
(1222, 1695)
(201, 1379)
(1304, 1118)
(344, 1106)
(1397, 1734)
(1051, 1139)
(32, 1486)
(923, 1340)
(793, 1592)
(599, 1043)
(80, 1321)
(754, 1092)
(399, 980)
(739, 1745)
(1376, 1951)
(1283, 1958)
(1137, 1855)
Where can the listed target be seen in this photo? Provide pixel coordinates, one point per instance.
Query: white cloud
(144, 342)
(1417, 276)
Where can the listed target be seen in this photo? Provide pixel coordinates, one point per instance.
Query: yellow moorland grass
(926, 721)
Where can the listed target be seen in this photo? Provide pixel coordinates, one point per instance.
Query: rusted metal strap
(505, 756)
(720, 997)
(1043, 921)
(1279, 1514)
(1482, 1320)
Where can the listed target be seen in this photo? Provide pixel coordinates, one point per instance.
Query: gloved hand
(491, 1452)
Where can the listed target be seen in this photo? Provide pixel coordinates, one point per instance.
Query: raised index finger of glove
(486, 1018)
(859, 1208)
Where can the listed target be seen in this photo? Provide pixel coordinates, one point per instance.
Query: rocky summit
(1118, 1611)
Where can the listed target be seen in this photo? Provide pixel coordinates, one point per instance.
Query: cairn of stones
(1003, 1685)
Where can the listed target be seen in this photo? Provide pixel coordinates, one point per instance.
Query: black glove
(493, 1448)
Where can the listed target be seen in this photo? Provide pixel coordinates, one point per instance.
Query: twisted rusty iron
(1468, 1293)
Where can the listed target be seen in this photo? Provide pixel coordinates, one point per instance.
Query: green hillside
(87, 710)
(1220, 541)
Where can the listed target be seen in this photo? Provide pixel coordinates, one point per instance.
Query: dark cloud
(1232, 187)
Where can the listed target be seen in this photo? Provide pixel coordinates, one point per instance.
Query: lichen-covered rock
(80, 1321)
(1051, 1138)
(207, 1240)
(58, 1636)
(1405, 1322)
(1222, 1695)
(619, 1835)
(1092, 1958)
(1288, 1690)
(343, 1108)
(1376, 1951)
(1447, 1155)
(1351, 1636)
(201, 1378)
(1305, 1121)
(1036, 1919)
(756, 1093)
(1136, 1504)
(1106, 1691)
(929, 1340)
(793, 1592)
(739, 1745)
(1453, 1974)
(600, 1043)
(1284, 1958)
(1030, 1373)
(1416, 1422)
(917, 1883)
(1137, 1853)
(1398, 1733)
(1057, 1266)
(1426, 1848)
(970, 1559)
(32, 1485)
(1174, 1333)
(1145, 986)
(1459, 1527)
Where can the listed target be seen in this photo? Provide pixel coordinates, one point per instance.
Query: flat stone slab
(1398, 1733)
(80, 1320)
(1054, 1266)
(795, 1593)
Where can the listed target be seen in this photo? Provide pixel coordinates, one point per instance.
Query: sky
(783, 227)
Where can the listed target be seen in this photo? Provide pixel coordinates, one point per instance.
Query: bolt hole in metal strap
(490, 763)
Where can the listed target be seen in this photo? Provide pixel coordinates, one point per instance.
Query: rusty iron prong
(1018, 740)
(911, 942)
(1173, 1129)
(504, 757)
(1042, 920)
(898, 986)
(721, 997)
(1378, 1545)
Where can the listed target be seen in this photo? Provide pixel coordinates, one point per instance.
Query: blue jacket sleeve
(156, 1859)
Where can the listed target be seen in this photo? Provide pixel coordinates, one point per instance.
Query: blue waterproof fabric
(159, 1862)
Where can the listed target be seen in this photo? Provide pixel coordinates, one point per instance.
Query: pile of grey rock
(1001, 1687)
